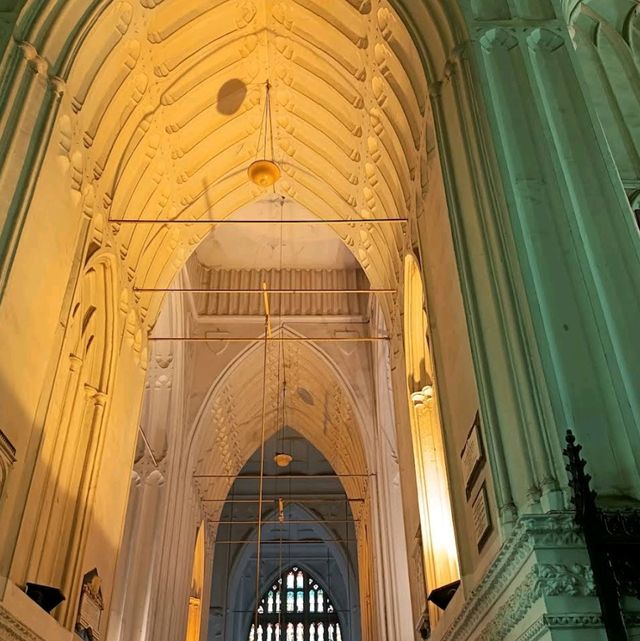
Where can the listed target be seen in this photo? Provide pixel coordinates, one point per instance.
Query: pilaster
(576, 247)
(548, 256)
(29, 106)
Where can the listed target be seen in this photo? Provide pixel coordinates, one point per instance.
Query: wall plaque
(91, 607)
(472, 456)
(481, 517)
(7, 459)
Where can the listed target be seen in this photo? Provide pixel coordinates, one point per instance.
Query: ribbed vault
(166, 101)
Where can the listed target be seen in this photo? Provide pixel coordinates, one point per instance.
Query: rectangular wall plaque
(7, 459)
(481, 516)
(91, 607)
(472, 456)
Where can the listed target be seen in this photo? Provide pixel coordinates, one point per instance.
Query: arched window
(299, 611)
(197, 582)
(434, 503)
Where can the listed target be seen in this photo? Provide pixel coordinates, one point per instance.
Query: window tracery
(301, 611)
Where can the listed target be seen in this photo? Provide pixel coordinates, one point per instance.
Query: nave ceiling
(163, 111)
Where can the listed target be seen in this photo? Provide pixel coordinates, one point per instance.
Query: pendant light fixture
(282, 458)
(264, 171)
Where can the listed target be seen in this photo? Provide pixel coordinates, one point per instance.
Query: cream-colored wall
(33, 314)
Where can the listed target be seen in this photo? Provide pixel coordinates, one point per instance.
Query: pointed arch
(296, 607)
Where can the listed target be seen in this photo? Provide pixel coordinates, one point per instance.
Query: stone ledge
(22, 620)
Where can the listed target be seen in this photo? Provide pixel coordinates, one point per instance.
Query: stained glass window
(300, 612)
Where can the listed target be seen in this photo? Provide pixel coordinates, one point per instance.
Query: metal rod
(291, 616)
(146, 444)
(288, 500)
(285, 522)
(199, 290)
(267, 311)
(282, 542)
(267, 332)
(256, 221)
(281, 339)
(253, 477)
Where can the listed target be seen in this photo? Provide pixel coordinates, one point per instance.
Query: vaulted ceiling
(165, 104)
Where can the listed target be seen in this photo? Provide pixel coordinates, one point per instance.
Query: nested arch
(332, 421)
(340, 580)
(140, 120)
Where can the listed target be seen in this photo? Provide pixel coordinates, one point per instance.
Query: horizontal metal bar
(255, 221)
(198, 290)
(288, 500)
(280, 339)
(285, 522)
(253, 477)
(283, 542)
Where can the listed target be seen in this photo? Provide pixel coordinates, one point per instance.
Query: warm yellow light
(263, 173)
(282, 459)
(423, 396)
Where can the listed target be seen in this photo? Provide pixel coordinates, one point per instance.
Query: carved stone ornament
(7, 459)
(541, 581)
(531, 532)
(91, 607)
(11, 629)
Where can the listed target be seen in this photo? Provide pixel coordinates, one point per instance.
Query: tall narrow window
(309, 614)
(195, 596)
(436, 521)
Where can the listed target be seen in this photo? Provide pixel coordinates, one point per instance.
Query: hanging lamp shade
(263, 173)
(282, 459)
(264, 170)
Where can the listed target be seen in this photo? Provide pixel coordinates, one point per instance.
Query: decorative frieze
(11, 629)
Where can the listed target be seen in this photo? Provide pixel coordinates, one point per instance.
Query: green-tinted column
(577, 248)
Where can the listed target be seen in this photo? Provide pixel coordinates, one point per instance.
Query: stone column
(550, 272)
(576, 248)
(145, 550)
(391, 572)
(548, 256)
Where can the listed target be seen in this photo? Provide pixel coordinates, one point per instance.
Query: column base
(539, 587)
